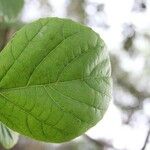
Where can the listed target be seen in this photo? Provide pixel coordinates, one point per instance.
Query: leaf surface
(55, 80)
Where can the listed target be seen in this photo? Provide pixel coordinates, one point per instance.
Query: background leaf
(10, 9)
(8, 138)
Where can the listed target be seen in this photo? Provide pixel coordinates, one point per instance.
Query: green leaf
(10, 9)
(55, 80)
(8, 138)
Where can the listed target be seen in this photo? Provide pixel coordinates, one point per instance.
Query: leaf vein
(23, 51)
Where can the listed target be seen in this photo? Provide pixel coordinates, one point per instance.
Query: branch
(99, 143)
(146, 140)
(131, 88)
(3, 37)
(122, 78)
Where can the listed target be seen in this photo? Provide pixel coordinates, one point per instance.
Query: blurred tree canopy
(130, 62)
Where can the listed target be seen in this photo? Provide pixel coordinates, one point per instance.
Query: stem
(146, 140)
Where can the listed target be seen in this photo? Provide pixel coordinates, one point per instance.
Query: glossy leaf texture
(8, 138)
(10, 9)
(55, 80)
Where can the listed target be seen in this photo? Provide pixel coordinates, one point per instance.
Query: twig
(100, 143)
(146, 140)
(4, 33)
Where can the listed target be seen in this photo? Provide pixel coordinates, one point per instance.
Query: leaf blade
(55, 80)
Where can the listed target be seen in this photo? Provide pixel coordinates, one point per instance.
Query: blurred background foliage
(125, 27)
